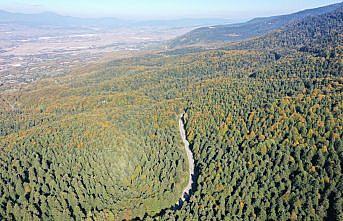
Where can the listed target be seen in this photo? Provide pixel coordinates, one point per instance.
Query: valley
(50, 52)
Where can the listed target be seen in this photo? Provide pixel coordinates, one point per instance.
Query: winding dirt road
(186, 191)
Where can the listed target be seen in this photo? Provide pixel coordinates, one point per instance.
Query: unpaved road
(190, 158)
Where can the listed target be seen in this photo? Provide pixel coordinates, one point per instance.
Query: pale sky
(164, 9)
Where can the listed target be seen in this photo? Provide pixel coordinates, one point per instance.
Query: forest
(263, 118)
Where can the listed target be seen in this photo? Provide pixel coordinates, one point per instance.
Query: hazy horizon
(166, 10)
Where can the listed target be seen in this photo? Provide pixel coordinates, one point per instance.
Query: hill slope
(105, 144)
(242, 31)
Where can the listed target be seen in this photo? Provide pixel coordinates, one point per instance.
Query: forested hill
(267, 146)
(253, 28)
(318, 36)
(264, 121)
(321, 35)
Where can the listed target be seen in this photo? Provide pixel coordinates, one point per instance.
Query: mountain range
(53, 19)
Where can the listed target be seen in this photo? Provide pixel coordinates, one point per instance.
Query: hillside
(242, 31)
(264, 125)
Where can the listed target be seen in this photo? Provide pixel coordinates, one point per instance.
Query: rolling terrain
(262, 117)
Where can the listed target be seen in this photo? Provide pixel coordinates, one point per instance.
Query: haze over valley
(33, 46)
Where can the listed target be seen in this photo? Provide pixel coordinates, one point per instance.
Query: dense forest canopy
(263, 118)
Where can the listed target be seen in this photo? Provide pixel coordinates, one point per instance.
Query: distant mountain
(241, 31)
(53, 19)
(187, 22)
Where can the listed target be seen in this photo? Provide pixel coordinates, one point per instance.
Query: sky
(164, 9)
